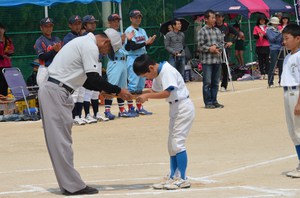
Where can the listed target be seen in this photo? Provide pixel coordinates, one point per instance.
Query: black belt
(120, 58)
(69, 89)
(177, 100)
(290, 88)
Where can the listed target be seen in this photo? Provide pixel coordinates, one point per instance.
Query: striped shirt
(208, 37)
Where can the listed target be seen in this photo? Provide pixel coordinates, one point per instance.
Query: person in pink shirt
(284, 21)
(6, 50)
(262, 45)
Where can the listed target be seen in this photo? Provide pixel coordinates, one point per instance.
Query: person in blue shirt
(275, 39)
(75, 24)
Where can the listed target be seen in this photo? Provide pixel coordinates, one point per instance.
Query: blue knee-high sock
(298, 151)
(173, 166)
(182, 163)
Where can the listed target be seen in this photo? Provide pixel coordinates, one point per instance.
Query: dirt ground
(241, 151)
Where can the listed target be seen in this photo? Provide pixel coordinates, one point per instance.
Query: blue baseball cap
(74, 19)
(89, 19)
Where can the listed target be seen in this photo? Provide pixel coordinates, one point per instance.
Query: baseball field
(240, 151)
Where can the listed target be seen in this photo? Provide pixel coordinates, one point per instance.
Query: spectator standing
(262, 45)
(210, 40)
(284, 21)
(275, 39)
(226, 31)
(136, 46)
(239, 45)
(6, 50)
(174, 44)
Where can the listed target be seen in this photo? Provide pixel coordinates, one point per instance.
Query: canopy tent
(198, 7)
(242, 7)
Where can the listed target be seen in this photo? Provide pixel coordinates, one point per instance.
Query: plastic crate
(21, 105)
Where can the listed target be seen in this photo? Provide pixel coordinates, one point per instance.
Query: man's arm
(95, 82)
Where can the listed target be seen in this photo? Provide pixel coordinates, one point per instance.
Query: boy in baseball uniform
(169, 84)
(290, 81)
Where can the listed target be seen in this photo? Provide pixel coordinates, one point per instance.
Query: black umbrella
(164, 27)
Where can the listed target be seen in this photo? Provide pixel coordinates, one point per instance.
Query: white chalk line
(267, 192)
(35, 188)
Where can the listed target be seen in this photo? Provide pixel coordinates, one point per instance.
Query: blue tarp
(198, 7)
(8, 3)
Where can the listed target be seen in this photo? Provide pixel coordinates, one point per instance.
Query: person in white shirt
(75, 65)
(290, 81)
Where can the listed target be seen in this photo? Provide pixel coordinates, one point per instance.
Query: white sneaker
(293, 174)
(177, 184)
(99, 117)
(78, 121)
(166, 180)
(89, 119)
(222, 89)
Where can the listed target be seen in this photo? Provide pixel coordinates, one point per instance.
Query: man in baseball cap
(134, 13)
(75, 65)
(75, 24)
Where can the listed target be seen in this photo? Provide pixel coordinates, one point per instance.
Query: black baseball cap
(46, 21)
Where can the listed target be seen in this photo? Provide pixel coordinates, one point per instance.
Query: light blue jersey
(140, 36)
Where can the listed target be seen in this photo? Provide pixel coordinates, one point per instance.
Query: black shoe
(210, 107)
(86, 191)
(217, 105)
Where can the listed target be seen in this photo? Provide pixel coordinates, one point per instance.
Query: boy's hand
(297, 110)
(142, 98)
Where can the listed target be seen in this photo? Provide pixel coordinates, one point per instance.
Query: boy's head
(144, 66)
(291, 36)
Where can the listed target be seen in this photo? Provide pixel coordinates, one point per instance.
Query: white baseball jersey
(169, 76)
(79, 61)
(291, 70)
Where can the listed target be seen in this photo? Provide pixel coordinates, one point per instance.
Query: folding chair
(16, 83)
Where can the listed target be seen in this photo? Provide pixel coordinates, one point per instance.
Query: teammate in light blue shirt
(137, 46)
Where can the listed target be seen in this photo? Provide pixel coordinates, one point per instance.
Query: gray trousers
(56, 106)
